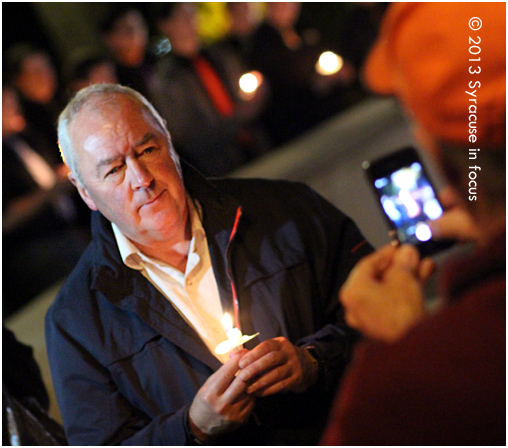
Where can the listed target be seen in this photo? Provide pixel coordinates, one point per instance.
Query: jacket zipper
(228, 269)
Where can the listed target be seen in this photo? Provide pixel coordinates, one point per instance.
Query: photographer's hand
(383, 296)
(456, 222)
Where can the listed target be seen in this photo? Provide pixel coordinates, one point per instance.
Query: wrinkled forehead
(100, 103)
(103, 114)
(108, 108)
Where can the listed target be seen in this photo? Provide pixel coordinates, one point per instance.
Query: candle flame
(249, 82)
(227, 322)
(329, 63)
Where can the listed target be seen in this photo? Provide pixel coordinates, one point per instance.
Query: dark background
(61, 27)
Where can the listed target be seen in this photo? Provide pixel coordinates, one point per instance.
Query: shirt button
(189, 281)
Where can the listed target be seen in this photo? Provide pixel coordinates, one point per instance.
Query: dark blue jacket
(126, 366)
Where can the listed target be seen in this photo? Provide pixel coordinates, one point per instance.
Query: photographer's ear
(83, 192)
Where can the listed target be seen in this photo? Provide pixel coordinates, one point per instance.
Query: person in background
(32, 73)
(197, 91)
(359, 32)
(132, 335)
(20, 372)
(25, 400)
(88, 66)
(437, 378)
(43, 237)
(125, 34)
(286, 57)
(244, 18)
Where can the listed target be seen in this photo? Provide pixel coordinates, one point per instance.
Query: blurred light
(390, 209)
(380, 183)
(423, 232)
(249, 83)
(161, 46)
(404, 178)
(432, 209)
(416, 167)
(329, 63)
(212, 21)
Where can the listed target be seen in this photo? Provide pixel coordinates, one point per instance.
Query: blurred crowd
(272, 77)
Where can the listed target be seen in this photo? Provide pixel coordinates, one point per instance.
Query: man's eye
(113, 171)
(148, 150)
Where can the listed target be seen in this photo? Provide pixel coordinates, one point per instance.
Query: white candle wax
(235, 339)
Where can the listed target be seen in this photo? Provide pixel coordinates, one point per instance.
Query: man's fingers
(426, 269)
(368, 270)
(235, 390)
(221, 380)
(449, 197)
(247, 405)
(456, 223)
(238, 354)
(259, 352)
(271, 377)
(407, 257)
(274, 389)
(376, 264)
(245, 409)
(267, 362)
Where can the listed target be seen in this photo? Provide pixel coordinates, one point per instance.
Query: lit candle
(234, 334)
(249, 83)
(329, 63)
(235, 339)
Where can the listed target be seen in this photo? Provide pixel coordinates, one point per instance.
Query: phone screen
(408, 199)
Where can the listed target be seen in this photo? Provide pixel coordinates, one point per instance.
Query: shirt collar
(132, 256)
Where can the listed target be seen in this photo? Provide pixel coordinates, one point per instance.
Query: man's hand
(277, 366)
(383, 296)
(221, 405)
(456, 222)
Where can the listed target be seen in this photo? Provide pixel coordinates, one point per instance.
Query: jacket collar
(218, 211)
(128, 289)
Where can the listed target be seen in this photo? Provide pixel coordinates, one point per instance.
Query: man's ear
(83, 193)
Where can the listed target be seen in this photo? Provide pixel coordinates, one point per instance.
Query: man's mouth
(154, 199)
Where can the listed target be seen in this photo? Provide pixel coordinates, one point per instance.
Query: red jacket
(444, 383)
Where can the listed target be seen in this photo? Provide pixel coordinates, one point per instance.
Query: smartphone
(407, 198)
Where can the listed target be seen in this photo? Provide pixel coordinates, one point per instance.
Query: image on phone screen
(408, 199)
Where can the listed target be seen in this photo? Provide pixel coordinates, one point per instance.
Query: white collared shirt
(194, 294)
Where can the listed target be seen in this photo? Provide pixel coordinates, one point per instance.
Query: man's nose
(140, 176)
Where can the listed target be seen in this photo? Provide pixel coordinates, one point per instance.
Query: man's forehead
(106, 131)
(107, 102)
(111, 111)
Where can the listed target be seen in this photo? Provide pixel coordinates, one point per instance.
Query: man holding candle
(132, 335)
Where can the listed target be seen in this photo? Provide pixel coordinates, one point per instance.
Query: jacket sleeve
(337, 246)
(93, 409)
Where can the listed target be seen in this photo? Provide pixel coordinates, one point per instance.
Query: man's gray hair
(77, 103)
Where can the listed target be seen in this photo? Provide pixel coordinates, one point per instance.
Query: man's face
(127, 171)
(128, 39)
(12, 119)
(181, 30)
(37, 79)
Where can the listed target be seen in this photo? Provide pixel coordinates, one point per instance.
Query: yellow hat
(428, 55)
